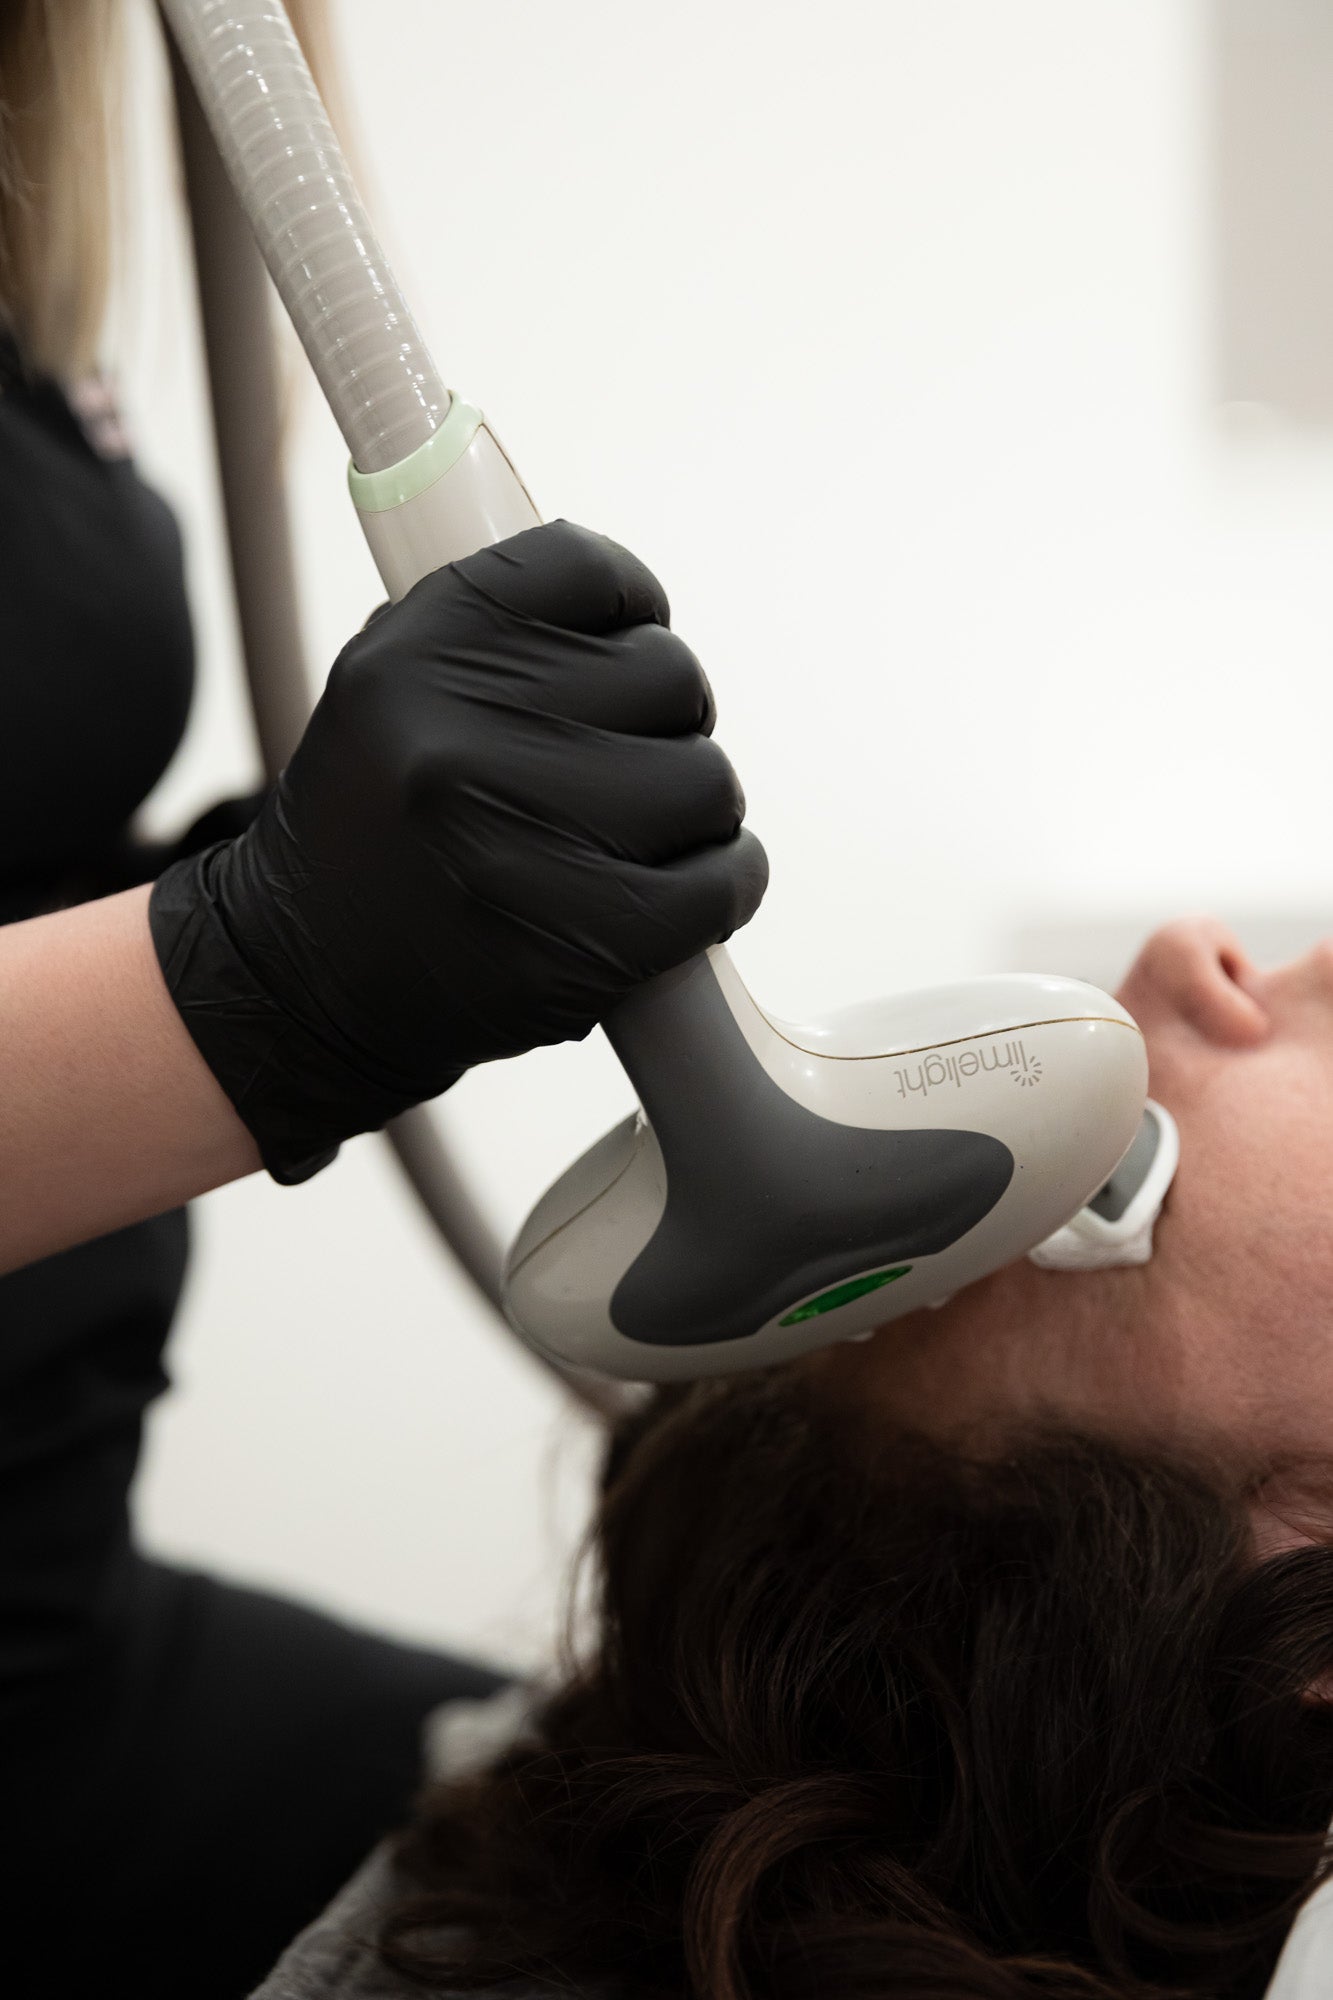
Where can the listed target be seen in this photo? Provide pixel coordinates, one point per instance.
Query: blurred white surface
(884, 332)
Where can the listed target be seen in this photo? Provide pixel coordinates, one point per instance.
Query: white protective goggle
(1116, 1226)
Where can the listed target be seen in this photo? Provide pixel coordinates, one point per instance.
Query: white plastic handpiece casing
(1053, 1068)
(478, 498)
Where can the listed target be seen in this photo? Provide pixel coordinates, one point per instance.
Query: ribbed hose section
(288, 169)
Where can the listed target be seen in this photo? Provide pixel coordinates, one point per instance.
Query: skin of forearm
(108, 1113)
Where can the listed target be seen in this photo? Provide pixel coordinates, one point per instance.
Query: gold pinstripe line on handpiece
(985, 1035)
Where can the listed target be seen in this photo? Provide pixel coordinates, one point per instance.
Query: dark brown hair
(897, 1725)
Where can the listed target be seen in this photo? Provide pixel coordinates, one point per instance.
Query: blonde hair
(60, 68)
(61, 74)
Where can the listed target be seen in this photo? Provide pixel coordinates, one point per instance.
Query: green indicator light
(842, 1295)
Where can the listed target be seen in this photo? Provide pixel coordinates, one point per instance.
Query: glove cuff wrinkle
(295, 1099)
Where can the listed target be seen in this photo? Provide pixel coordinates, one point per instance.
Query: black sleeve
(188, 1770)
(195, 1768)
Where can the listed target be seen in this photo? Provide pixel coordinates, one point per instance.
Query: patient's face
(1226, 1338)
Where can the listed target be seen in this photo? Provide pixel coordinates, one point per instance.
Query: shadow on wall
(1272, 179)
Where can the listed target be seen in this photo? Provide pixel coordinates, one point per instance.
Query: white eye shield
(1116, 1226)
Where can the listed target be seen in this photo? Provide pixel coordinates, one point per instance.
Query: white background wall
(884, 332)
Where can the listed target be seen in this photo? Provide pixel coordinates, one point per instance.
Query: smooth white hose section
(287, 167)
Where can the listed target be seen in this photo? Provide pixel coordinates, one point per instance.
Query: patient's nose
(1196, 971)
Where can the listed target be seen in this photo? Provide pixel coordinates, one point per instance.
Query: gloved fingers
(471, 646)
(573, 790)
(640, 682)
(674, 794)
(611, 925)
(644, 682)
(698, 900)
(568, 576)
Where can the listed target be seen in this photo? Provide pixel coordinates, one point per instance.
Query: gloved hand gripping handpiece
(506, 812)
(788, 1186)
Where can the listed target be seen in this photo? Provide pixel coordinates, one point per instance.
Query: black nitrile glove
(506, 812)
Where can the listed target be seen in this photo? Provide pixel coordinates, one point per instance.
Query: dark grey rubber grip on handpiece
(767, 1203)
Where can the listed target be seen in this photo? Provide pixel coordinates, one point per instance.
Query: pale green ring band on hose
(377, 492)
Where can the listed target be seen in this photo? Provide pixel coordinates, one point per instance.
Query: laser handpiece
(782, 1187)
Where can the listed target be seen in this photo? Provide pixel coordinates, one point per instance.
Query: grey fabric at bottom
(335, 1957)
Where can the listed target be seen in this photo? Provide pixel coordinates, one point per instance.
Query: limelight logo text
(937, 1071)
